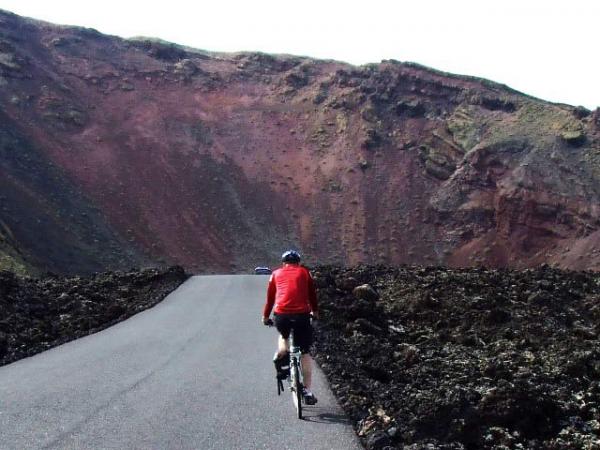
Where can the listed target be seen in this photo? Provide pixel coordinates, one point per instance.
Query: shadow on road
(323, 415)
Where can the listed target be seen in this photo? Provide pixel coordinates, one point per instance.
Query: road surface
(194, 372)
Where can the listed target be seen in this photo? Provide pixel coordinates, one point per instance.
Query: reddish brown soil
(219, 161)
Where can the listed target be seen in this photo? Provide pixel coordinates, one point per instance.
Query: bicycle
(295, 380)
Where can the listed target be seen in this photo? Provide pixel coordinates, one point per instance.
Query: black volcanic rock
(465, 358)
(37, 314)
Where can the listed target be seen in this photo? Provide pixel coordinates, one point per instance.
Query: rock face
(148, 152)
(464, 359)
(37, 314)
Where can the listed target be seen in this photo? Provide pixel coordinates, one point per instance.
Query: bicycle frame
(296, 380)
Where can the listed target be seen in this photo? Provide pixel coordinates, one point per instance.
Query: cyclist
(292, 291)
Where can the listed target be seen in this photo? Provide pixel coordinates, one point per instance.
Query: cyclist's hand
(267, 321)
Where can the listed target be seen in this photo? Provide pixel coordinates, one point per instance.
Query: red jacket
(292, 291)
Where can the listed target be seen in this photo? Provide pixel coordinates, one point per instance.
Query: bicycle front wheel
(297, 389)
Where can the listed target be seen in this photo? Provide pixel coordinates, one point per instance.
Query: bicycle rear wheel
(296, 389)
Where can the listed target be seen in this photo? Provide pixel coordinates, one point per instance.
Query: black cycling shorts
(303, 332)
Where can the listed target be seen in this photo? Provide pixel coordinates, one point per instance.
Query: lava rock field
(37, 314)
(463, 359)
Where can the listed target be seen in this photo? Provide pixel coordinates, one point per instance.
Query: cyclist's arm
(312, 297)
(271, 290)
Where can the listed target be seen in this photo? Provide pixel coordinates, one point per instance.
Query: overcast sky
(545, 48)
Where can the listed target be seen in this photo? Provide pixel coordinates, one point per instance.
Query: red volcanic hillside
(116, 152)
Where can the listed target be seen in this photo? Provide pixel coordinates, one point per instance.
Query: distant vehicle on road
(262, 271)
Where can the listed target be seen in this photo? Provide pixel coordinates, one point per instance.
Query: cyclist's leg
(307, 370)
(282, 346)
(284, 326)
(304, 337)
(309, 397)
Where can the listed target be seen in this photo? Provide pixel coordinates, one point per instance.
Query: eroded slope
(217, 161)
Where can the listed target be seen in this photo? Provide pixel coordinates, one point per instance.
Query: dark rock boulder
(365, 292)
(410, 108)
(575, 138)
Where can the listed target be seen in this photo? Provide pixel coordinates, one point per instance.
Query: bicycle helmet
(291, 256)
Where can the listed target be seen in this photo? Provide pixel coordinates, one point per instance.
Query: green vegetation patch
(465, 130)
(13, 264)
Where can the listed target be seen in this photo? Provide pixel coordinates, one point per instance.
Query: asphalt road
(194, 372)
